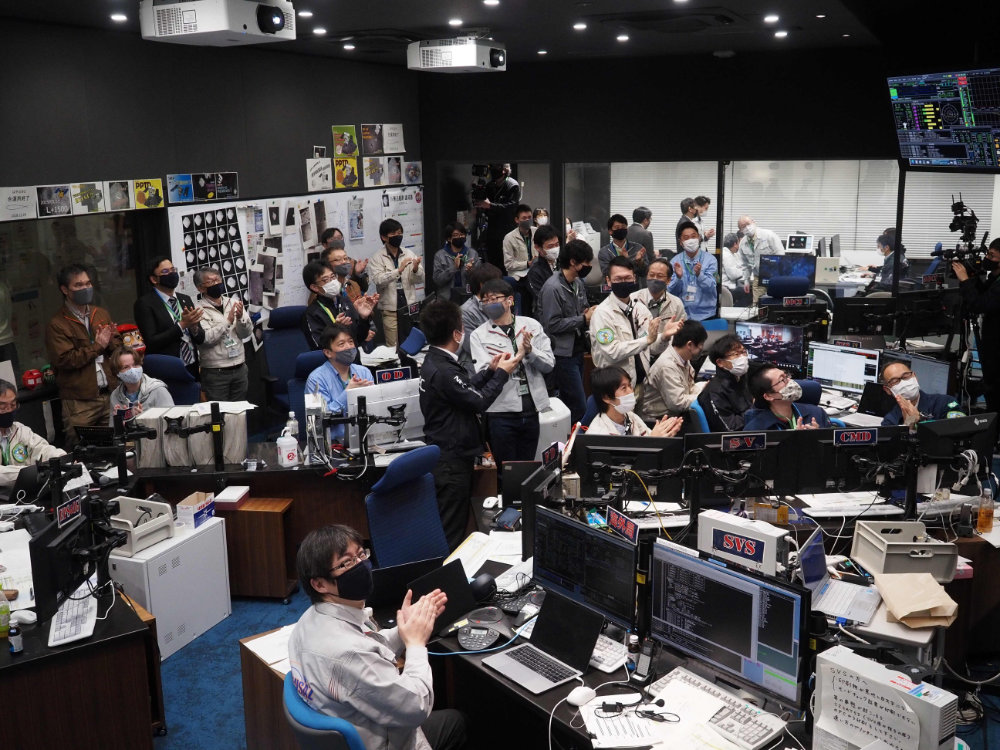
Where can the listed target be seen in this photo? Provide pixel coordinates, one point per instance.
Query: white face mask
(552, 254)
(691, 245)
(740, 365)
(542, 220)
(625, 403)
(331, 288)
(908, 389)
(791, 392)
(749, 230)
(131, 376)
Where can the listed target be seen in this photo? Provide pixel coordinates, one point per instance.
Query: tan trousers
(93, 412)
(390, 328)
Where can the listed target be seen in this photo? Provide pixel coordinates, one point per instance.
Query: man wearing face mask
(695, 276)
(397, 274)
(225, 323)
(671, 386)
(168, 320)
(517, 254)
(622, 330)
(79, 339)
(775, 395)
(452, 403)
(620, 247)
(135, 391)
(701, 205)
(616, 401)
(472, 309)
(689, 215)
(639, 232)
(912, 404)
(546, 243)
(503, 194)
(452, 264)
(661, 303)
(20, 446)
(886, 244)
(732, 270)
(981, 296)
(332, 306)
(726, 398)
(755, 243)
(343, 665)
(513, 417)
(339, 374)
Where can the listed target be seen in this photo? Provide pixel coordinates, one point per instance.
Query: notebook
(835, 599)
(562, 641)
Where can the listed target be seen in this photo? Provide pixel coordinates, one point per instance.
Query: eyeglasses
(494, 298)
(351, 562)
(736, 353)
(322, 280)
(908, 375)
(784, 380)
(8, 406)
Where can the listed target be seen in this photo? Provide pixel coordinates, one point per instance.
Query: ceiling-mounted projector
(217, 23)
(465, 54)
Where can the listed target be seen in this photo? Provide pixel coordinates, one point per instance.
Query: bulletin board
(261, 246)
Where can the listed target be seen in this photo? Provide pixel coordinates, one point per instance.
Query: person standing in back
(168, 320)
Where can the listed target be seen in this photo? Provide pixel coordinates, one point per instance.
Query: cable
(849, 634)
(552, 713)
(789, 733)
(978, 683)
(652, 502)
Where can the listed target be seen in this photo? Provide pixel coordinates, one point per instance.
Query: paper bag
(916, 600)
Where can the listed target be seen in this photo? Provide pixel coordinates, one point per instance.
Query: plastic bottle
(984, 521)
(292, 425)
(4, 616)
(14, 635)
(288, 447)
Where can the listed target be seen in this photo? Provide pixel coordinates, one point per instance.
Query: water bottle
(984, 521)
(288, 443)
(4, 616)
(292, 425)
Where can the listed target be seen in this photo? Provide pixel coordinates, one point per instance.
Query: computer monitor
(946, 438)
(730, 468)
(745, 629)
(778, 344)
(800, 243)
(380, 398)
(598, 460)
(843, 367)
(540, 489)
(864, 315)
(822, 249)
(835, 246)
(851, 459)
(928, 312)
(934, 375)
(947, 120)
(789, 264)
(593, 567)
(814, 319)
(55, 571)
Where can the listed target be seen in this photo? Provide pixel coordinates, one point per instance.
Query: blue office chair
(305, 363)
(403, 519)
(316, 731)
(811, 392)
(283, 342)
(590, 412)
(183, 388)
(414, 342)
(716, 324)
(699, 422)
(784, 286)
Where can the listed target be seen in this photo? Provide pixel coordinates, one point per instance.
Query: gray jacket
(153, 393)
(444, 270)
(561, 312)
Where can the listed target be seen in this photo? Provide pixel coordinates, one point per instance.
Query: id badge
(232, 348)
(690, 292)
(414, 309)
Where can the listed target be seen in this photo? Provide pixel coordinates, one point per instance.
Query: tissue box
(232, 497)
(196, 508)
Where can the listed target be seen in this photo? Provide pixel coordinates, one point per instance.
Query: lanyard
(175, 314)
(623, 250)
(328, 313)
(689, 267)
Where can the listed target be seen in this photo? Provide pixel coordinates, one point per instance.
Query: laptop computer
(562, 642)
(875, 403)
(390, 582)
(26, 486)
(451, 579)
(835, 599)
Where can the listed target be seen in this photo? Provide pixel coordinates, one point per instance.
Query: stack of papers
(272, 648)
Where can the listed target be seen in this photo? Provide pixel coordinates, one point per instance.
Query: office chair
(403, 519)
(183, 388)
(699, 422)
(811, 392)
(590, 412)
(305, 363)
(283, 342)
(316, 731)
(726, 297)
(784, 286)
(414, 342)
(716, 324)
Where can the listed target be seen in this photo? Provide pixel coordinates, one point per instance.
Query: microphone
(938, 251)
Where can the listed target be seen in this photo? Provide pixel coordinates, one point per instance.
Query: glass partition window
(927, 200)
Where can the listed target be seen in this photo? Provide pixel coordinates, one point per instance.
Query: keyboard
(738, 721)
(516, 577)
(608, 654)
(944, 507)
(538, 662)
(836, 400)
(514, 606)
(75, 619)
(859, 419)
(849, 510)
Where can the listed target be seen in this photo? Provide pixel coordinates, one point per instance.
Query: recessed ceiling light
(348, 46)
(622, 37)
(820, 15)
(579, 26)
(771, 18)
(491, 2)
(680, 1)
(319, 31)
(305, 14)
(543, 52)
(119, 17)
(454, 21)
(781, 34)
(845, 36)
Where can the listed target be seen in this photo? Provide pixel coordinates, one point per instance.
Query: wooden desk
(91, 694)
(263, 711)
(153, 667)
(259, 560)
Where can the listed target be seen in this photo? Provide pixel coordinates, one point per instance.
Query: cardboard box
(232, 497)
(196, 508)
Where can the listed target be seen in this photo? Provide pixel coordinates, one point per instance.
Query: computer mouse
(25, 617)
(580, 695)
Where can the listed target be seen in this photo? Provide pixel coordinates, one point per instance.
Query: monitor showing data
(843, 367)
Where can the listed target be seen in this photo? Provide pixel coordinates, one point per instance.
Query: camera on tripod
(960, 222)
(965, 220)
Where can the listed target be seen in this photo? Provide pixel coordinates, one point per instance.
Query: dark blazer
(159, 330)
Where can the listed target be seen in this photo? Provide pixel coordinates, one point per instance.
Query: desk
(263, 712)
(92, 693)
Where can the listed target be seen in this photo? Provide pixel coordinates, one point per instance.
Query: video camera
(967, 253)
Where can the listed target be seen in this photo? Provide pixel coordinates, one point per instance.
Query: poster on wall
(274, 217)
(204, 186)
(392, 135)
(413, 172)
(213, 238)
(54, 200)
(179, 189)
(394, 170)
(227, 186)
(371, 139)
(149, 193)
(345, 172)
(118, 194)
(307, 233)
(356, 218)
(88, 197)
(18, 203)
(374, 171)
(319, 175)
(345, 140)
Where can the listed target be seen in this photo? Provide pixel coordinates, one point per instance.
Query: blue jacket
(706, 292)
(931, 406)
(760, 420)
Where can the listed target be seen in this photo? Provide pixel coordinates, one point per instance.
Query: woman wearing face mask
(333, 379)
(135, 391)
(775, 395)
(611, 387)
(540, 216)
(912, 404)
(726, 398)
(452, 264)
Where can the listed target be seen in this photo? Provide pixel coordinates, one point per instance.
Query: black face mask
(356, 584)
(458, 242)
(342, 269)
(620, 234)
(622, 289)
(584, 271)
(990, 265)
(170, 281)
(395, 240)
(7, 419)
(496, 174)
(216, 290)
